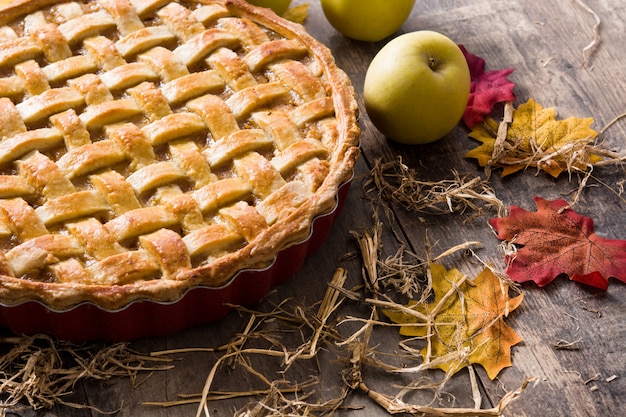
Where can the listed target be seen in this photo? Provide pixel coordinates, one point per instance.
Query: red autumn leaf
(555, 240)
(487, 89)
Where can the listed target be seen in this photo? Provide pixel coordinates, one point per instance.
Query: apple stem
(432, 62)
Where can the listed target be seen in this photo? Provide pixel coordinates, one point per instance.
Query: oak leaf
(486, 89)
(555, 240)
(535, 138)
(464, 315)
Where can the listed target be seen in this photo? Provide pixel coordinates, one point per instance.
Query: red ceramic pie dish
(161, 161)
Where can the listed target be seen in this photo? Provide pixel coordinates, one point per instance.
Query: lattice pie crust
(151, 146)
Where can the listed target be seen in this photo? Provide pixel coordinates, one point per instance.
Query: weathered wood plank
(543, 41)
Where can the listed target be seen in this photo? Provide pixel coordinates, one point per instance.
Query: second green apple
(367, 20)
(417, 87)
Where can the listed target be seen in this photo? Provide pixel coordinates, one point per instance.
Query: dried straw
(42, 372)
(399, 184)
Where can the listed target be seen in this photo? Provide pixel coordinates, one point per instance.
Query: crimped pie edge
(258, 253)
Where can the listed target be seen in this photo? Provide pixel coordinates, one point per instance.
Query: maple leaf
(535, 138)
(555, 240)
(297, 13)
(464, 315)
(486, 89)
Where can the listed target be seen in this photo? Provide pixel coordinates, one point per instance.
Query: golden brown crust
(171, 207)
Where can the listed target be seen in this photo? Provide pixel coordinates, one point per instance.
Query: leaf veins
(465, 315)
(555, 240)
(535, 138)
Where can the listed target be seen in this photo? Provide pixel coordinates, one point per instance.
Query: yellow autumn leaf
(297, 13)
(535, 138)
(464, 315)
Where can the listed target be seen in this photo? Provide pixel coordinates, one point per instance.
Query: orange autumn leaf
(535, 138)
(464, 315)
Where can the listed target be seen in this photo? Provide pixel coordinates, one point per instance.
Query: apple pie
(148, 147)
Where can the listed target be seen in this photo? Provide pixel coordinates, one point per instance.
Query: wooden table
(544, 42)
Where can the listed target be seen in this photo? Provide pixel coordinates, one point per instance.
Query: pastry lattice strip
(156, 149)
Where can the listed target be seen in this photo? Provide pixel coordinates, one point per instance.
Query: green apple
(417, 87)
(367, 20)
(279, 6)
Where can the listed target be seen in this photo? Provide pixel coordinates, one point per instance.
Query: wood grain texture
(543, 41)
